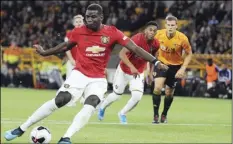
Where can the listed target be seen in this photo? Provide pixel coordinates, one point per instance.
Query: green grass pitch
(190, 120)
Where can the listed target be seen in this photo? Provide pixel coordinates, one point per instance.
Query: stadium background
(207, 24)
(192, 119)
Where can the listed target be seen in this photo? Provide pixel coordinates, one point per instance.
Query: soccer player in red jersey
(77, 22)
(94, 41)
(131, 70)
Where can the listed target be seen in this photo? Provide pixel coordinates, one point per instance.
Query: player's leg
(209, 86)
(94, 94)
(119, 84)
(64, 95)
(136, 87)
(169, 91)
(168, 99)
(159, 80)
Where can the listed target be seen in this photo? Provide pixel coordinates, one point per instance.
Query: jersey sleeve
(186, 45)
(120, 37)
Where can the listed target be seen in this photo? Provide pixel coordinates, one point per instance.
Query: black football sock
(156, 103)
(167, 103)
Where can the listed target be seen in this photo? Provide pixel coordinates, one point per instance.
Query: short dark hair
(95, 7)
(209, 60)
(171, 18)
(151, 23)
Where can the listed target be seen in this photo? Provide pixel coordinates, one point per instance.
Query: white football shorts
(121, 79)
(78, 85)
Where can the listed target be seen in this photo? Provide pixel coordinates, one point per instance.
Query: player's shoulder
(110, 28)
(138, 35)
(160, 32)
(79, 29)
(181, 35)
(138, 38)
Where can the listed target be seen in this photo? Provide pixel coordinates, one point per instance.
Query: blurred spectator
(213, 21)
(30, 22)
(161, 10)
(49, 76)
(225, 21)
(25, 23)
(224, 80)
(11, 57)
(25, 77)
(54, 78)
(211, 77)
(215, 14)
(4, 72)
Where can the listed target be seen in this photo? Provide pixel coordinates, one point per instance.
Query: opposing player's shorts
(77, 84)
(121, 79)
(168, 74)
(69, 68)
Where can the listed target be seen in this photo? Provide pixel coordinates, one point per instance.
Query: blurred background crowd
(24, 23)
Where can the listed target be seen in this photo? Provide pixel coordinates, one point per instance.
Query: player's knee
(117, 95)
(92, 100)
(157, 90)
(169, 93)
(62, 98)
(137, 95)
(114, 96)
(117, 92)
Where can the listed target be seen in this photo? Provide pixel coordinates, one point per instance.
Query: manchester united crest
(105, 39)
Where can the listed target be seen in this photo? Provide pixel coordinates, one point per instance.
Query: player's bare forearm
(62, 47)
(124, 57)
(152, 69)
(187, 60)
(57, 49)
(140, 51)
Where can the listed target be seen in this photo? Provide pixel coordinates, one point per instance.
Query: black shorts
(168, 74)
(12, 66)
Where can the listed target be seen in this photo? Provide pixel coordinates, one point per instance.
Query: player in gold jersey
(172, 45)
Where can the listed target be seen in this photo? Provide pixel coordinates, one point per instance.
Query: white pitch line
(113, 123)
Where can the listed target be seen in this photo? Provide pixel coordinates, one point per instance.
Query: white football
(40, 135)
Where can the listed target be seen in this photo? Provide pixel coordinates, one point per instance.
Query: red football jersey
(137, 61)
(94, 48)
(74, 49)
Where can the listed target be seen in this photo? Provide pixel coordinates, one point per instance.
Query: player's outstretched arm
(126, 60)
(144, 54)
(62, 47)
